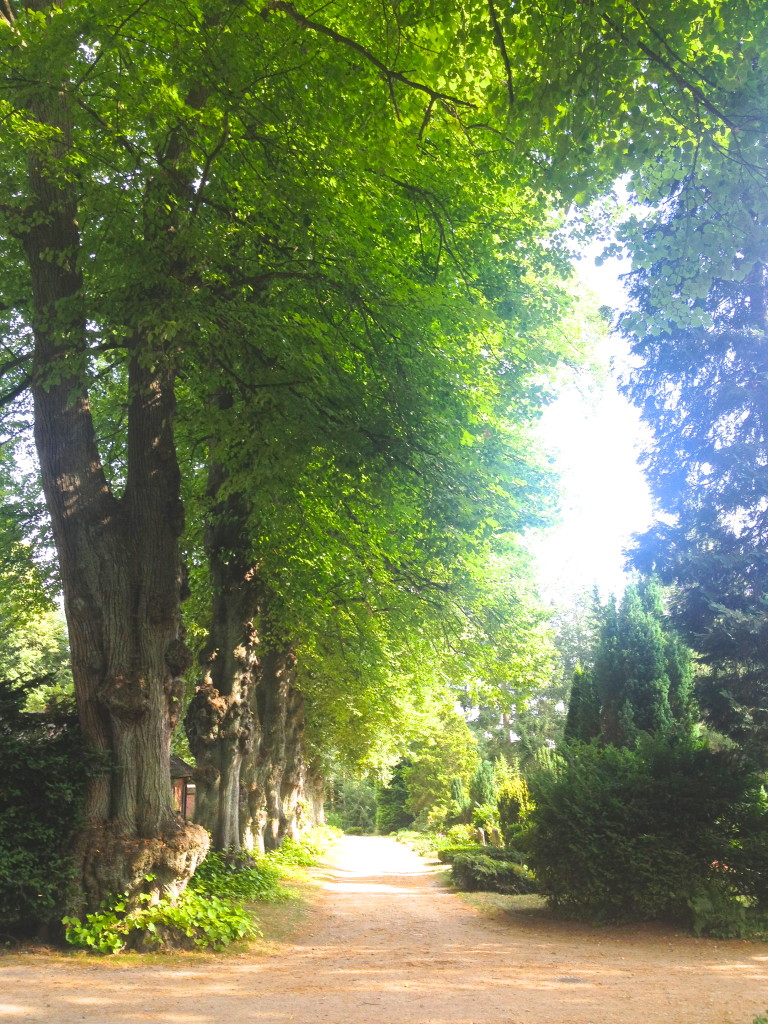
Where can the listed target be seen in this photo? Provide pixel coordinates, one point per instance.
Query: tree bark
(293, 810)
(316, 794)
(220, 722)
(119, 557)
(262, 774)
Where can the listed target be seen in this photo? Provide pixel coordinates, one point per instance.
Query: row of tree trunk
(246, 721)
(123, 584)
(255, 784)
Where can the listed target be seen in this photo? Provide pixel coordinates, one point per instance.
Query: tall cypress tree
(583, 719)
(642, 675)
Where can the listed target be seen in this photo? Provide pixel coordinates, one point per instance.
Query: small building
(183, 786)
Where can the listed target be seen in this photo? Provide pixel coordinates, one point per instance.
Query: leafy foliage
(354, 803)
(515, 805)
(209, 914)
(239, 878)
(442, 761)
(428, 843)
(38, 648)
(351, 223)
(620, 834)
(196, 920)
(44, 769)
(391, 802)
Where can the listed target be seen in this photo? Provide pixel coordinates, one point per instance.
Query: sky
(595, 436)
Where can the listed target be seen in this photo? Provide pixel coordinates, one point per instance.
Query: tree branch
(13, 393)
(389, 74)
(498, 37)
(695, 90)
(7, 12)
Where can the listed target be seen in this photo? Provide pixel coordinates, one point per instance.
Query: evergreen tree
(482, 789)
(698, 326)
(583, 719)
(642, 675)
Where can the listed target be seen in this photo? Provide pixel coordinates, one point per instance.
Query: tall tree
(118, 552)
(698, 328)
(641, 676)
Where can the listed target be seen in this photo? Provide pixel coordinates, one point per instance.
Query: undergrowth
(210, 914)
(429, 843)
(241, 877)
(194, 921)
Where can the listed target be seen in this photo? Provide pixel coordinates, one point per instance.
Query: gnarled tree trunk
(220, 722)
(118, 557)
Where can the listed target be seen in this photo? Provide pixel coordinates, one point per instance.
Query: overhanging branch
(388, 73)
(501, 45)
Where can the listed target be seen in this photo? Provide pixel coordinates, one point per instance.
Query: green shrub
(429, 843)
(514, 807)
(718, 910)
(423, 843)
(670, 829)
(486, 817)
(240, 877)
(44, 768)
(305, 851)
(448, 854)
(459, 834)
(196, 921)
(479, 872)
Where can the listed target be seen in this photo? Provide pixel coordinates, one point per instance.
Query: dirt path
(388, 945)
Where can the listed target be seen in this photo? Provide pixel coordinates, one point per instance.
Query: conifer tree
(583, 718)
(642, 676)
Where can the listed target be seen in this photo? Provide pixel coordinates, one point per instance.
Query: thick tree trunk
(219, 721)
(262, 775)
(315, 795)
(276, 676)
(119, 559)
(293, 812)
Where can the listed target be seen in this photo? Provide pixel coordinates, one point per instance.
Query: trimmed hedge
(44, 767)
(491, 872)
